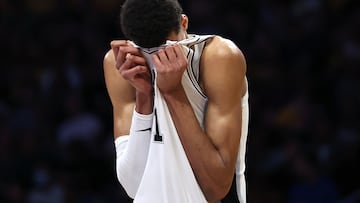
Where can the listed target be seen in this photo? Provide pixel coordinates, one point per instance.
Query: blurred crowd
(56, 132)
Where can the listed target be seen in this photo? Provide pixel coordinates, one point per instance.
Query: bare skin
(212, 153)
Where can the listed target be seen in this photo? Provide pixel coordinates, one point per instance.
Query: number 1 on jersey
(157, 136)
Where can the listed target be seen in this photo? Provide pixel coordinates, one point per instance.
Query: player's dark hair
(149, 22)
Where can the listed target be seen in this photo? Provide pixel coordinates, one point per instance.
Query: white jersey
(168, 176)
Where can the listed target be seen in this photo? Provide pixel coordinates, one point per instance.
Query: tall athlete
(180, 108)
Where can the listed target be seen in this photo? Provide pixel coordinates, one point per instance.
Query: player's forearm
(213, 172)
(144, 103)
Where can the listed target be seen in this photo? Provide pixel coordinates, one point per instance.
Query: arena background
(303, 68)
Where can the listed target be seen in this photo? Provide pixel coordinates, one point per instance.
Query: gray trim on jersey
(196, 45)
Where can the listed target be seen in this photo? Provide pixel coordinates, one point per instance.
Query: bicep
(224, 83)
(223, 126)
(122, 96)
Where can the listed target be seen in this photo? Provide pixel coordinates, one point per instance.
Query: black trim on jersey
(188, 54)
(148, 50)
(196, 76)
(194, 81)
(198, 41)
(192, 77)
(195, 42)
(231, 196)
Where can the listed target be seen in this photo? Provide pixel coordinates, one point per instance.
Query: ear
(184, 21)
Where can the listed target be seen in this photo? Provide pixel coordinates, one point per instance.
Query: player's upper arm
(223, 71)
(122, 96)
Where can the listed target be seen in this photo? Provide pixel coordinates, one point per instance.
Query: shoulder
(109, 59)
(222, 48)
(119, 90)
(223, 65)
(223, 55)
(110, 71)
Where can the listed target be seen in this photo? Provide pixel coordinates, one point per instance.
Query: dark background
(56, 141)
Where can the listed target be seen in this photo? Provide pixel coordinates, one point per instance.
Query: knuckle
(121, 71)
(137, 68)
(168, 48)
(183, 63)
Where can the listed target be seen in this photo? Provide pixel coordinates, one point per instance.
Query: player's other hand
(132, 66)
(170, 64)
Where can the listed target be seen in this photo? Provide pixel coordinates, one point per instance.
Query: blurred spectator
(79, 124)
(44, 189)
(310, 184)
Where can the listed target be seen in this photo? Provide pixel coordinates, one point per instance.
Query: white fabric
(240, 164)
(168, 176)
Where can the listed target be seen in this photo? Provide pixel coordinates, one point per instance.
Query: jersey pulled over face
(168, 175)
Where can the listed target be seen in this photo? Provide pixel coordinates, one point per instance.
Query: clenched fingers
(115, 46)
(170, 57)
(131, 61)
(130, 74)
(122, 49)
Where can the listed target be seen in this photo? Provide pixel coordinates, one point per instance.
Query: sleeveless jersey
(168, 176)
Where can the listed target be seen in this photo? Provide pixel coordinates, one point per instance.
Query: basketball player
(180, 108)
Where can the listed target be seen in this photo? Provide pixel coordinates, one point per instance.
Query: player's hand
(170, 64)
(132, 66)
